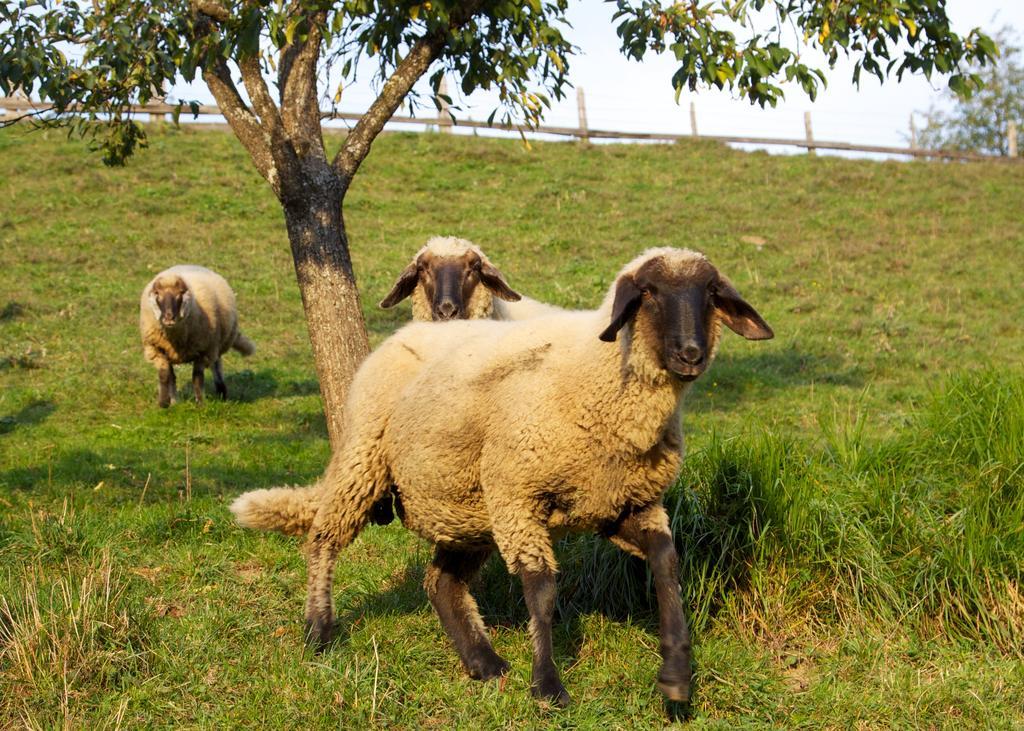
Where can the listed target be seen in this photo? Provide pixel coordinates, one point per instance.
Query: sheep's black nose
(692, 354)
(447, 310)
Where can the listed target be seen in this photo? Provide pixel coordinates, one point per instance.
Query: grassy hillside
(851, 509)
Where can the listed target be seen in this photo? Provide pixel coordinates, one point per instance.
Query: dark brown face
(448, 283)
(169, 299)
(678, 307)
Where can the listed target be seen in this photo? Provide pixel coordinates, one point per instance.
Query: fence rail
(22, 107)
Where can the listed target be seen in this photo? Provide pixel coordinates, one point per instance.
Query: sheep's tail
(244, 345)
(288, 510)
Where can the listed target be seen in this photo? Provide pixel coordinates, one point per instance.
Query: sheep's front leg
(539, 590)
(646, 533)
(218, 380)
(197, 381)
(520, 530)
(447, 585)
(168, 392)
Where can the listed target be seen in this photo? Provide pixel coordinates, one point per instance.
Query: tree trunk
(337, 331)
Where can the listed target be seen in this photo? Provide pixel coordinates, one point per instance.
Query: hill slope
(850, 510)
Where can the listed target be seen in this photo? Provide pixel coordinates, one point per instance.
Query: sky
(630, 96)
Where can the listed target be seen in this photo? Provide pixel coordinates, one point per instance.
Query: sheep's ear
(186, 302)
(741, 318)
(495, 282)
(627, 302)
(403, 287)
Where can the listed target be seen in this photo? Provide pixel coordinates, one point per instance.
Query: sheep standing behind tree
(187, 314)
(452, 279)
(507, 434)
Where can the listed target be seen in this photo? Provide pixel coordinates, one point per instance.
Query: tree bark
(337, 331)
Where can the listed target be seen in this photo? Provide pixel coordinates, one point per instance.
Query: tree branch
(243, 122)
(297, 82)
(413, 66)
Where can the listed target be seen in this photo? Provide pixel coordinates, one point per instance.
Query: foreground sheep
(452, 279)
(508, 434)
(187, 315)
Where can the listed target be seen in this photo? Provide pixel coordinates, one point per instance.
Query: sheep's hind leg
(344, 511)
(168, 392)
(320, 559)
(197, 381)
(646, 533)
(447, 585)
(539, 590)
(218, 380)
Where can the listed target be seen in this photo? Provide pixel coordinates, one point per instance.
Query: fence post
(810, 133)
(913, 132)
(581, 106)
(1011, 138)
(693, 118)
(444, 120)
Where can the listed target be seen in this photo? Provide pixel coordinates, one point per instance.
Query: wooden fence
(16, 107)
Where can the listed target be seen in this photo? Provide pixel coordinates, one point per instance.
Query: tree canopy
(980, 123)
(100, 58)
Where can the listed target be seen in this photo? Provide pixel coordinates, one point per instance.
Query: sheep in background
(508, 434)
(187, 314)
(444, 280)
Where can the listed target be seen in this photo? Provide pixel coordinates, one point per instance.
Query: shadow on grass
(127, 469)
(29, 415)
(734, 378)
(247, 386)
(11, 310)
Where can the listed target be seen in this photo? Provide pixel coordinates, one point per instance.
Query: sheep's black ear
(403, 287)
(627, 302)
(741, 318)
(495, 282)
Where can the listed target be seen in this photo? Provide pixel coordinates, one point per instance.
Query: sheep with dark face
(187, 314)
(507, 434)
(452, 279)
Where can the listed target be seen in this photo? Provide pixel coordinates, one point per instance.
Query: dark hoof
(163, 403)
(552, 691)
(487, 667)
(318, 633)
(675, 685)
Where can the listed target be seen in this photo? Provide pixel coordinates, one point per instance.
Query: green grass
(851, 509)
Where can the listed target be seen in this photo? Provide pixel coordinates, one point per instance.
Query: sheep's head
(170, 300)
(676, 302)
(448, 273)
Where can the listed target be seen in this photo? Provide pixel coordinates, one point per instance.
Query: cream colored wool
(505, 432)
(209, 329)
(290, 510)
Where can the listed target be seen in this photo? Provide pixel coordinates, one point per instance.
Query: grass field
(850, 513)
